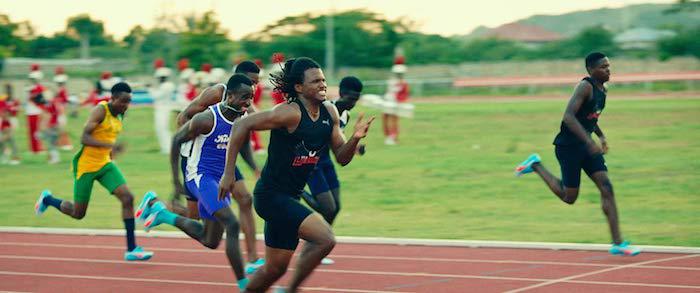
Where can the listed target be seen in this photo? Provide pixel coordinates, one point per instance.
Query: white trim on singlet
(218, 109)
(186, 147)
(196, 154)
(223, 95)
(344, 118)
(218, 112)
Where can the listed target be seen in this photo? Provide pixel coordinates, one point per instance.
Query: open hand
(362, 127)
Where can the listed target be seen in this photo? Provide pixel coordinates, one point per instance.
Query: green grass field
(450, 178)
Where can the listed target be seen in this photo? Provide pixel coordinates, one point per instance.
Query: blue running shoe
(144, 210)
(624, 249)
(138, 254)
(526, 166)
(253, 266)
(242, 283)
(155, 219)
(40, 206)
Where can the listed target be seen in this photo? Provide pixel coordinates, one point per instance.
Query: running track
(77, 263)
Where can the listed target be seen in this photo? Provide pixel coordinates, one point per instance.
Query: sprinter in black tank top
(575, 149)
(302, 129)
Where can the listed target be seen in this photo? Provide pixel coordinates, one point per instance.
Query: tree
(589, 40)
(14, 37)
(683, 5)
(595, 38)
(204, 41)
(156, 43)
(685, 43)
(46, 47)
(135, 37)
(425, 49)
(88, 31)
(362, 38)
(8, 39)
(490, 50)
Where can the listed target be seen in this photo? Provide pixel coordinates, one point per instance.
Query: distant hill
(614, 19)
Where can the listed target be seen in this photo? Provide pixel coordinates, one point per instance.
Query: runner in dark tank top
(292, 156)
(576, 150)
(302, 129)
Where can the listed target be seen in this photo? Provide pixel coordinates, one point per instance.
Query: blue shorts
(206, 189)
(323, 178)
(183, 167)
(573, 158)
(283, 214)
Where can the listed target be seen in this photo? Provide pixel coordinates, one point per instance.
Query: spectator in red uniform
(33, 109)
(50, 127)
(255, 141)
(101, 91)
(396, 95)
(8, 123)
(62, 99)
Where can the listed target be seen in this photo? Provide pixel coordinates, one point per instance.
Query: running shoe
(138, 254)
(40, 206)
(526, 166)
(625, 249)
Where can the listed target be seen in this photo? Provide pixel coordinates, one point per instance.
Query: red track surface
(63, 263)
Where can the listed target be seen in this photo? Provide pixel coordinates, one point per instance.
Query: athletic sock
(168, 217)
(52, 201)
(130, 239)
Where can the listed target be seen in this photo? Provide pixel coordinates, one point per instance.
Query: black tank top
(587, 115)
(292, 156)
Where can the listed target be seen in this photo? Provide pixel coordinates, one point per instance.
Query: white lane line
(103, 278)
(569, 278)
(409, 274)
(383, 273)
(427, 259)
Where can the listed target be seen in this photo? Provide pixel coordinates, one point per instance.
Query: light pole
(330, 45)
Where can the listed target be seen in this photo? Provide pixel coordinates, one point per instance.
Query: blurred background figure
(52, 109)
(162, 92)
(61, 98)
(201, 77)
(101, 91)
(216, 76)
(9, 107)
(277, 65)
(33, 108)
(255, 141)
(186, 88)
(396, 94)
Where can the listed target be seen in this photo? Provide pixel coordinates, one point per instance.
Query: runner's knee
(127, 200)
(244, 200)
(570, 195)
(276, 270)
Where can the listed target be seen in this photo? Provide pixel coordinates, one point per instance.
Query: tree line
(362, 38)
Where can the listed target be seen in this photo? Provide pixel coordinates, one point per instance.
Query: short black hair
(593, 58)
(120, 87)
(292, 74)
(350, 83)
(246, 67)
(236, 80)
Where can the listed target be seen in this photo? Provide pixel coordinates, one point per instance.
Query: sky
(443, 17)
